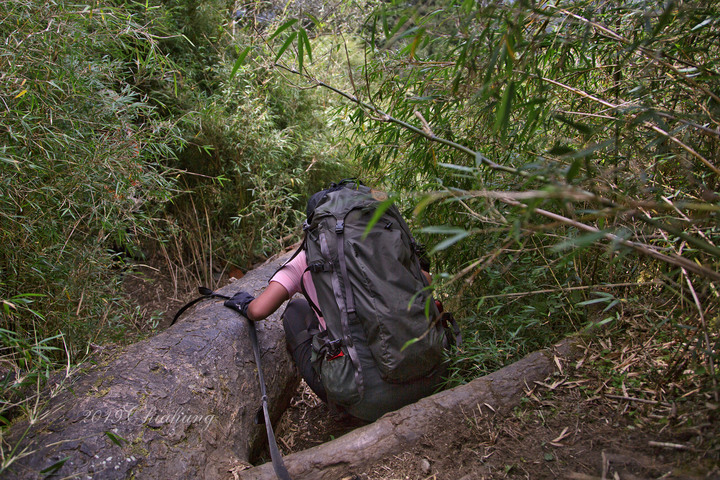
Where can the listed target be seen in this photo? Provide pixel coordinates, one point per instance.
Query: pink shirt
(289, 277)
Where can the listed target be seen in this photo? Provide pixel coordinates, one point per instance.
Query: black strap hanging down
(206, 293)
(449, 322)
(277, 461)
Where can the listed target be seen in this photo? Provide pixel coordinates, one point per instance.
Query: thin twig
(685, 217)
(676, 446)
(481, 159)
(639, 400)
(708, 356)
(646, 51)
(382, 116)
(701, 313)
(568, 289)
(649, 125)
(684, 146)
(580, 196)
(672, 259)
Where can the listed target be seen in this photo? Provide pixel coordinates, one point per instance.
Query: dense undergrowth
(558, 158)
(126, 137)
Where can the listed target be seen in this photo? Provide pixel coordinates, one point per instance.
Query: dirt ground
(560, 430)
(602, 418)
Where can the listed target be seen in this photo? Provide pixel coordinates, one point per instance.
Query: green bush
(262, 147)
(82, 166)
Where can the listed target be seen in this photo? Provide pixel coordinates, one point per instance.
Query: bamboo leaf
(283, 27)
(580, 127)
(561, 150)
(409, 342)
(664, 18)
(462, 168)
(401, 21)
(240, 60)
(580, 242)
(502, 117)
(416, 42)
(409, 32)
(386, 27)
(423, 203)
(316, 21)
(590, 149)
(301, 46)
(700, 25)
(456, 234)
(508, 45)
(115, 438)
(603, 297)
(54, 467)
(303, 37)
(285, 45)
(573, 170)
(381, 208)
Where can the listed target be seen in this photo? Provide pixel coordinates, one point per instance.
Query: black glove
(239, 302)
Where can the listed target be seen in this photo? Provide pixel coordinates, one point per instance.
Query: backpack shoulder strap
(452, 328)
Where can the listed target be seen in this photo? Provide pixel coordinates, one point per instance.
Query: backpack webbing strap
(206, 293)
(295, 254)
(307, 297)
(340, 299)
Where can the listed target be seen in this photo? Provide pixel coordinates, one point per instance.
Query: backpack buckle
(341, 354)
(318, 267)
(333, 350)
(339, 227)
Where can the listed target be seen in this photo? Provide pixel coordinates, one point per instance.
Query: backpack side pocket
(336, 371)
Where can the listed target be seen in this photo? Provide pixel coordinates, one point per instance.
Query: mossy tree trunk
(181, 404)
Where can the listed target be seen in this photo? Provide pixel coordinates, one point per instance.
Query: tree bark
(364, 447)
(181, 404)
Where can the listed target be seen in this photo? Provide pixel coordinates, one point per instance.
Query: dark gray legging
(301, 323)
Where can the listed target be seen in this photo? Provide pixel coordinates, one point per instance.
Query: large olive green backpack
(371, 291)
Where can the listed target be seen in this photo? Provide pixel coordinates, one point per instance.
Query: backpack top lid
(321, 196)
(313, 203)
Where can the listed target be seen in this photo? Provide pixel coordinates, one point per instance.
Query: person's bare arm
(267, 302)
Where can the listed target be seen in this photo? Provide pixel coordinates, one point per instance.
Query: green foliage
(81, 167)
(138, 129)
(26, 362)
(550, 149)
(259, 150)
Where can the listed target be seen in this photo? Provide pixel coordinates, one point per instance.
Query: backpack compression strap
(344, 298)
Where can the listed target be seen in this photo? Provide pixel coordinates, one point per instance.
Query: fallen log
(181, 404)
(393, 433)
